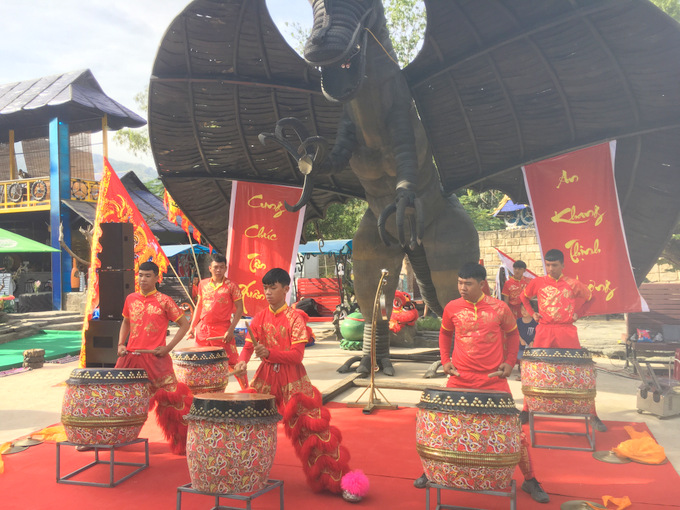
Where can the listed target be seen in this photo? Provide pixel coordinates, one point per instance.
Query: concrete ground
(32, 400)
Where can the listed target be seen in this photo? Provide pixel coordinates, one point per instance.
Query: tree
(670, 7)
(136, 140)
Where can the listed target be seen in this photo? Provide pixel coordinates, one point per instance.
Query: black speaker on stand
(101, 343)
(116, 281)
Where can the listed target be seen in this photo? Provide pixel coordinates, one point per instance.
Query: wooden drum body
(231, 441)
(559, 381)
(203, 369)
(468, 439)
(105, 405)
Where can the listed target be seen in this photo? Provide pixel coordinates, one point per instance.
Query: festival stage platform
(382, 445)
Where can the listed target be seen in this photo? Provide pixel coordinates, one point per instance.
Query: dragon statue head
(337, 44)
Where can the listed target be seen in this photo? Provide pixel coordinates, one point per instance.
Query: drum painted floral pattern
(230, 457)
(203, 369)
(559, 387)
(468, 451)
(103, 412)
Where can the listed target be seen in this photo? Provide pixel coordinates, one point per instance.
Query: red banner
(262, 236)
(576, 210)
(114, 205)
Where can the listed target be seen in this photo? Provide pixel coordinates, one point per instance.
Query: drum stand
(512, 494)
(271, 485)
(111, 462)
(589, 433)
(373, 401)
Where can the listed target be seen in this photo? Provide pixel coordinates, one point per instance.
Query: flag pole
(191, 244)
(180, 282)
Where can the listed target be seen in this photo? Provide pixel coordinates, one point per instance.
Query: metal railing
(34, 194)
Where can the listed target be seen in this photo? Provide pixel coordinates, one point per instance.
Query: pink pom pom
(356, 483)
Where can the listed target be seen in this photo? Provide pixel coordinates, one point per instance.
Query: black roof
(151, 207)
(28, 106)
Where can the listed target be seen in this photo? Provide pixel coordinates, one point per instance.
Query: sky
(116, 40)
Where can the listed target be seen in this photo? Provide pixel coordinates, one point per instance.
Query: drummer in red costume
(514, 286)
(561, 301)
(280, 338)
(486, 341)
(146, 315)
(218, 299)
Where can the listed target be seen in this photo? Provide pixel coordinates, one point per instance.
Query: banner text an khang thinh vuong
(576, 210)
(262, 236)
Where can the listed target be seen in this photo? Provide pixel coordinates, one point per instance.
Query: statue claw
(405, 199)
(309, 155)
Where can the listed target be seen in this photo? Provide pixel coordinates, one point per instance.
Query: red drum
(231, 441)
(468, 439)
(203, 369)
(105, 405)
(559, 381)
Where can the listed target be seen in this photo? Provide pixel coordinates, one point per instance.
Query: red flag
(507, 262)
(262, 236)
(175, 212)
(114, 205)
(576, 210)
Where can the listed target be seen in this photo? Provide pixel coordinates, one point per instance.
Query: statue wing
(223, 75)
(504, 83)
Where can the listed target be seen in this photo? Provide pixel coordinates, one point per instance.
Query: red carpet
(381, 444)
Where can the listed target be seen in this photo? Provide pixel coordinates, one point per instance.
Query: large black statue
(497, 84)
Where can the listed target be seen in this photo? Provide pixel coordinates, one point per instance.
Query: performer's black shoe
(534, 489)
(84, 448)
(524, 417)
(420, 482)
(597, 424)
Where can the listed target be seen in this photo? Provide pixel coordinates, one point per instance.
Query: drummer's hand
(161, 350)
(261, 351)
(449, 369)
(191, 333)
(228, 337)
(536, 316)
(122, 351)
(240, 366)
(507, 369)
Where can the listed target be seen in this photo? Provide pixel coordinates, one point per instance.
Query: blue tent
(336, 247)
(176, 249)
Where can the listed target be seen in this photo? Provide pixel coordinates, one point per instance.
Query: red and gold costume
(513, 289)
(217, 307)
(307, 423)
(149, 316)
(486, 336)
(558, 303)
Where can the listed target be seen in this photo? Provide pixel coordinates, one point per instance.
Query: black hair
(554, 255)
(149, 266)
(218, 257)
(472, 270)
(276, 275)
(520, 264)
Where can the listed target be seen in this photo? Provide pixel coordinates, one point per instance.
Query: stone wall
(520, 243)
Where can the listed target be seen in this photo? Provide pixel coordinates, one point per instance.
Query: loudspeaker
(101, 343)
(114, 287)
(118, 246)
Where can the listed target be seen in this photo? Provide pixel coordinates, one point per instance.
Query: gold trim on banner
(468, 458)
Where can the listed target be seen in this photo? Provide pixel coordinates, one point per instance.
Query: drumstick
(250, 332)
(143, 351)
(497, 373)
(236, 373)
(214, 338)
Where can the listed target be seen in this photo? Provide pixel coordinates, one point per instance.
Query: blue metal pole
(60, 188)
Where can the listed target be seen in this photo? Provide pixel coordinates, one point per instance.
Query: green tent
(14, 243)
